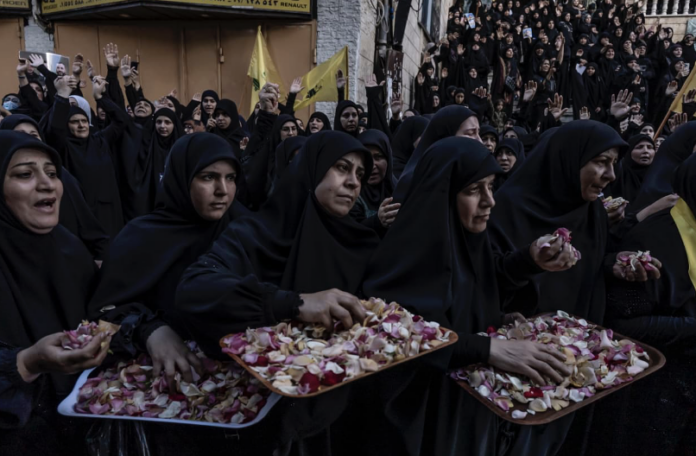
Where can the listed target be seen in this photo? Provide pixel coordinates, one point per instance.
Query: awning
(15, 6)
(175, 9)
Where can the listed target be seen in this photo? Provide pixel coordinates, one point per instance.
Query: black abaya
(444, 124)
(630, 174)
(403, 143)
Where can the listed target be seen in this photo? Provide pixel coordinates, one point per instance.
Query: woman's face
(510, 134)
(643, 153)
(209, 105)
(474, 204)
(627, 46)
(38, 90)
(679, 66)
(164, 126)
(590, 71)
(677, 52)
(222, 120)
(505, 158)
(436, 101)
(648, 130)
(26, 127)
(469, 129)
(543, 38)
(551, 25)
(545, 66)
(475, 47)
(639, 20)
(473, 74)
(610, 54)
(349, 119)
(79, 126)
(379, 168)
(288, 130)
(33, 191)
(142, 109)
(340, 188)
(459, 98)
(316, 124)
(508, 39)
(213, 189)
(509, 53)
(597, 174)
(490, 141)
(658, 143)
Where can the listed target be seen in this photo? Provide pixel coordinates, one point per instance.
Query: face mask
(10, 105)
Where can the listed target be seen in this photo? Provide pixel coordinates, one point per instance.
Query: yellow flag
(261, 69)
(320, 83)
(689, 84)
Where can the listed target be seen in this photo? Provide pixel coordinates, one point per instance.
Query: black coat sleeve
(119, 121)
(16, 396)
(113, 88)
(37, 107)
(256, 158)
(375, 114)
(50, 77)
(57, 135)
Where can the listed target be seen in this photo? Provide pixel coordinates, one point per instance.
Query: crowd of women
(187, 222)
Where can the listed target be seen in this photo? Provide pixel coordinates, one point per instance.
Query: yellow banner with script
(14, 4)
(320, 83)
(61, 6)
(284, 6)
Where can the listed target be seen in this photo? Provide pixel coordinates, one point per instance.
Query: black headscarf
(673, 151)
(292, 244)
(285, 152)
(447, 276)
(517, 148)
(528, 207)
(160, 146)
(630, 175)
(373, 195)
(489, 130)
(275, 141)
(402, 145)
(594, 86)
(444, 124)
(342, 106)
(212, 94)
(45, 279)
(148, 257)
(674, 292)
(234, 133)
(75, 214)
(324, 119)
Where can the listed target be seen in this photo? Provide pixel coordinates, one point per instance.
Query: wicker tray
(325, 389)
(657, 361)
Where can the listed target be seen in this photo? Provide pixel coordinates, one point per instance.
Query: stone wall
(678, 24)
(35, 39)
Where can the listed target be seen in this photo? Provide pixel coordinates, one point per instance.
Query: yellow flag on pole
(676, 106)
(320, 83)
(261, 69)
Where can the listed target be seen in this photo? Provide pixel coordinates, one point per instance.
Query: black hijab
(373, 195)
(45, 279)
(324, 119)
(148, 257)
(631, 174)
(275, 141)
(673, 151)
(75, 214)
(674, 293)
(444, 124)
(160, 146)
(234, 133)
(207, 93)
(528, 207)
(402, 145)
(594, 86)
(342, 106)
(285, 152)
(517, 148)
(292, 243)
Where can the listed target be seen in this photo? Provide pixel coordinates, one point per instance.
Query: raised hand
(396, 105)
(340, 80)
(372, 81)
(62, 86)
(296, 86)
(268, 97)
(529, 91)
(77, 65)
(244, 143)
(135, 77)
(672, 88)
(36, 60)
(22, 67)
(98, 87)
(584, 113)
(197, 96)
(677, 120)
(689, 97)
(126, 70)
(556, 106)
(460, 49)
(481, 92)
(173, 94)
(637, 119)
(388, 211)
(90, 70)
(111, 55)
(619, 104)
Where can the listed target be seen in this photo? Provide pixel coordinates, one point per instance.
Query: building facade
(194, 45)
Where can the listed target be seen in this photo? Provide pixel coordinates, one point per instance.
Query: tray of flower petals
(603, 362)
(303, 360)
(224, 396)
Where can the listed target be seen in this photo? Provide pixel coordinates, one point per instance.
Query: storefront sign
(15, 4)
(285, 6)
